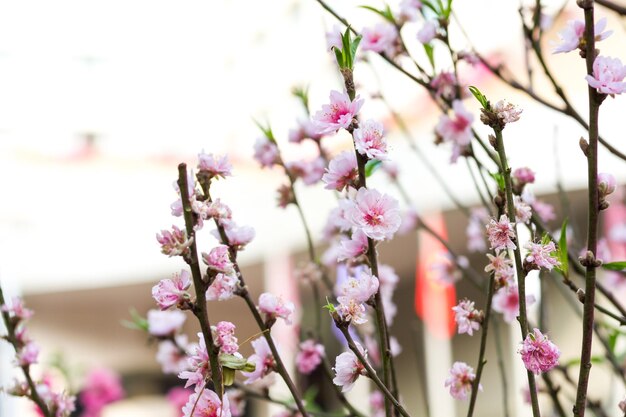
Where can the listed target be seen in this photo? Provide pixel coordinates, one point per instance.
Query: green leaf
(448, 9)
(386, 14)
(235, 363)
(615, 266)
(430, 53)
(479, 96)
(596, 359)
(353, 47)
(562, 251)
(228, 376)
(499, 178)
(329, 306)
(346, 41)
(612, 340)
(136, 323)
(339, 57)
(430, 6)
(267, 130)
(371, 166)
(303, 94)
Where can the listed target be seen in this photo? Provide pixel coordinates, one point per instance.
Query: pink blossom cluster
(165, 323)
(382, 38)
(507, 112)
(608, 76)
(207, 209)
(475, 231)
(171, 292)
(198, 367)
(206, 403)
(502, 268)
(309, 171)
(309, 356)
(304, 130)
(539, 354)
(266, 152)
(376, 214)
(541, 256)
(225, 337)
(428, 32)
(444, 84)
(369, 140)
(102, 387)
(174, 242)
(354, 292)
(214, 166)
(501, 233)
(238, 236)
(460, 381)
(467, 318)
(506, 302)
(172, 354)
(342, 172)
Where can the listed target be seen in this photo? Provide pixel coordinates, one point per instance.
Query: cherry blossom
(348, 368)
(165, 323)
(456, 129)
(174, 242)
(376, 214)
(266, 152)
(540, 255)
(263, 360)
(573, 35)
(369, 141)
(380, 38)
(500, 233)
(428, 32)
(338, 114)
(206, 403)
(460, 380)
(213, 165)
(102, 386)
(274, 306)
(341, 172)
(173, 356)
(506, 302)
(225, 337)
(309, 356)
(218, 260)
(222, 288)
(467, 317)
(353, 247)
(538, 353)
(507, 112)
(169, 292)
(608, 76)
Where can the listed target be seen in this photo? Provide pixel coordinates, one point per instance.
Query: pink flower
(169, 292)
(165, 323)
(310, 171)
(606, 184)
(263, 360)
(460, 380)
(174, 242)
(353, 247)
(351, 310)
(447, 268)
(177, 206)
(608, 76)
(544, 210)
(380, 38)
(341, 172)
(523, 212)
(540, 256)
(305, 130)
(348, 368)
(27, 355)
(409, 10)
(266, 152)
(173, 356)
(285, 196)
(101, 387)
(225, 337)
(467, 317)
(206, 403)
(507, 112)
(218, 260)
(456, 129)
(444, 84)
(198, 366)
(362, 288)
(237, 399)
(506, 302)
(222, 288)
(428, 32)
(377, 404)
(338, 114)
(501, 233)
(178, 397)
(17, 309)
(369, 141)
(572, 35)
(214, 166)
(476, 235)
(388, 279)
(210, 210)
(274, 307)
(523, 176)
(238, 236)
(501, 267)
(376, 214)
(538, 353)
(309, 356)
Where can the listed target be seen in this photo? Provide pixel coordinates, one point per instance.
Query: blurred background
(101, 100)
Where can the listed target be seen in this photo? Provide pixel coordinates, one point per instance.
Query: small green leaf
(386, 14)
(448, 9)
(228, 376)
(339, 57)
(136, 323)
(329, 306)
(479, 96)
(346, 42)
(615, 266)
(353, 47)
(430, 53)
(562, 251)
(303, 94)
(430, 6)
(371, 166)
(235, 362)
(267, 130)
(545, 239)
(612, 340)
(499, 178)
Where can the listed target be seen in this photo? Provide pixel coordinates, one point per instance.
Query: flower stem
(521, 275)
(343, 327)
(592, 219)
(483, 347)
(200, 307)
(12, 339)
